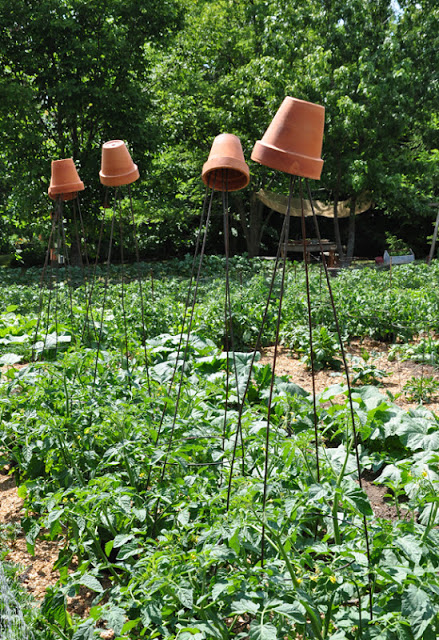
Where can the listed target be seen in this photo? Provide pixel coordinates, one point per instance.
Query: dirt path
(398, 372)
(36, 571)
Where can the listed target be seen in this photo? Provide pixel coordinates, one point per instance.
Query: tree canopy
(76, 73)
(168, 77)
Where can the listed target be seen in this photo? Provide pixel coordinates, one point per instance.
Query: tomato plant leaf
(89, 581)
(186, 596)
(244, 605)
(417, 608)
(262, 631)
(218, 588)
(151, 613)
(115, 618)
(411, 548)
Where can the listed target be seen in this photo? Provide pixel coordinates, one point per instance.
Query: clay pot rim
(282, 160)
(67, 188)
(226, 163)
(113, 179)
(69, 195)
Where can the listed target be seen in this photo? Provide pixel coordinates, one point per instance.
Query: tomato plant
(150, 461)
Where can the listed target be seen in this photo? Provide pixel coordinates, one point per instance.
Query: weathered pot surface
(64, 181)
(117, 167)
(226, 169)
(293, 140)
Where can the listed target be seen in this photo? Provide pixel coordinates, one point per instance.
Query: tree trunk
(253, 223)
(336, 222)
(351, 232)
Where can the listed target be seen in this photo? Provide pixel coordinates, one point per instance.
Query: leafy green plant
(395, 245)
(424, 350)
(365, 371)
(421, 389)
(129, 469)
(19, 615)
(326, 348)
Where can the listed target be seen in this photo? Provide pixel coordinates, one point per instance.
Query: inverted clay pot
(117, 167)
(64, 180)
(293, 141)
(226, 155)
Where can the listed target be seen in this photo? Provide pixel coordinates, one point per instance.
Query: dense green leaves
(167, 77)
(76, 75)
(135, 489)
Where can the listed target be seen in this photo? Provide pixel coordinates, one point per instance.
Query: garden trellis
(197, 492)
(299, 124)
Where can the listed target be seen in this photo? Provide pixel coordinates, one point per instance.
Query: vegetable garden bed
(163, 521)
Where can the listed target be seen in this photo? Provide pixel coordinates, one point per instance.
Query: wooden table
(297, 246)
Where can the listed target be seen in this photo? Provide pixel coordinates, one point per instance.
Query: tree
(216, 79)
(371, 90)
(234, 62)
(76, 74)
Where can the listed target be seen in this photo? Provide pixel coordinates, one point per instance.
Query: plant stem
(337, 535)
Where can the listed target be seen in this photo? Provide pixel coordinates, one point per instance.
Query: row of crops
(189, 514)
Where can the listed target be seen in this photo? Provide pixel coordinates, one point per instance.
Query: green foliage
(233, 64)
(20, 618)
(168, 77)
(425, 350)
(396, 246)
(76, 75)
(138, 502)
(422, 389)
(364, 370)
(326, 347)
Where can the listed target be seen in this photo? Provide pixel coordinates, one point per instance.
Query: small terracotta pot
(293, 141)
(64, 180)
(226, 154)
(117, 167)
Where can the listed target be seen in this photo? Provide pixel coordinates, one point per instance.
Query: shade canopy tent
(279, 203)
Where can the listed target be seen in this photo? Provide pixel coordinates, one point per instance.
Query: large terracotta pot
(117, 167)
(64, 181)
(226, 168)
(293, 141)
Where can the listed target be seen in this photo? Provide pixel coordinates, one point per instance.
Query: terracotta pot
(226, 154)
(64, 180)
(63, 196)
(293, 141)
(117, 167)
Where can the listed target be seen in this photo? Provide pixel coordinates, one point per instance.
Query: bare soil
(37, 570)
(399, 373)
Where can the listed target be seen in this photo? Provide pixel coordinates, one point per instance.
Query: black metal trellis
(284, 238)
(273, 373)
(228, 314)
(257, 347)
(190, 302)
(346, 369)
(57, 256)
